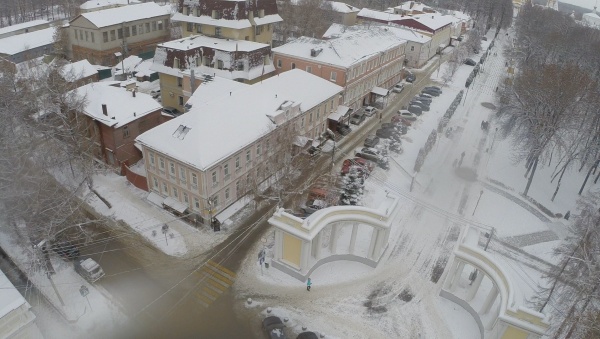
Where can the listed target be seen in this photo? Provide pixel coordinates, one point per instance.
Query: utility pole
(489, 239)
(480, 194)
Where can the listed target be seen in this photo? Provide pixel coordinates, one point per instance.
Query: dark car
(273, 327)
(424, 106)
(343, 129)
(314, 151)
(66, 250)
(484, 38)
(371, 141)
(369, 154)
(171, 111)
(431, 92)
(307, 335)
(312, 206)
(470, 62)
(434, 88)
(384, 133)
(357, 118)
(411, 78)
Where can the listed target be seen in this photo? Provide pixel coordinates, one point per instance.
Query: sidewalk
(95, 312)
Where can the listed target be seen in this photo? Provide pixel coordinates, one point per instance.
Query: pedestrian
(308, 283)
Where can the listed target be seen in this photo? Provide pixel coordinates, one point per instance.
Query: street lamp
(165, 229)
(84, 291)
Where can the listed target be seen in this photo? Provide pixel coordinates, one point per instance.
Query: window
(125, 132)
(226, 170)
(87, 34)
(198, 28)
(179, 80)
(76, 36)
(162, 163)
(248, 157)
(194, 179)
(126, 31)
(227, 194)
(151, 158)
(182, 175)
(190, 27)
(180, 101)
(134, 30)
(309, 69)
(258, 150)
(293, 65)
(237, 162)
(412, 48)
(218, 32)
(113, 36)
(302, 122)
(147, 24)
(310, 117)
(215, 200)
(278, 63)
(165, 188)
(333, 76)
(81, 35)
(196, 203)
(172, 168)
(155, 183)
(120, 33)
(93, 40)
(259, 29)
(216, 14)
(153, 26)
(237, 187)
(214, 178)
(186, 199)
(141, 29)
(267, 145)
(160, 25)
(175, 193)
(318, 112)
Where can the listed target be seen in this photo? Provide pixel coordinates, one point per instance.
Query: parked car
(470, 62)
(312, 206)
(407, 115)
(425, 95)
(484, 38)
(369, 165)
(273, 327)
(357, 118)
(431, 92)
(155, 94)
(349, 164)
(435, 88)
(171, 111)
(89, 269)
(460, 38)
(343, 129)
(424, 106)
(66, 250)
(369, 154)
(370, 110)
(397, 119)
(398, 88)
(371, 141)
(416, 110)
(313, 151)
(307, 335)
(411, 78)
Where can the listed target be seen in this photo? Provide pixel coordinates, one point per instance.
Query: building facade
(243, 61)
(104, 36)
(359, 60)
(237, 20)
(27, 46)
(212, 156)
(113, 117)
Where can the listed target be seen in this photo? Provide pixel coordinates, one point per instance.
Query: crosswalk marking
(214, 281)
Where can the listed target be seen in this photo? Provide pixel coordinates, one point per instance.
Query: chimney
(412, 4)
(104, 110)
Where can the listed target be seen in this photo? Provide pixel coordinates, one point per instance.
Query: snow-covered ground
(399, 298)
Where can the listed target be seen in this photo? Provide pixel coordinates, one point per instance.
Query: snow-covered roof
(591, 19)
(122, 106)
(18, 43)
(207, 20)
(92, 4)
(116, 16)
(219, 128)
(335, 30)
(341, 7)
(433, 21)
(213, 89)
(10, 298)
(78, 70)
(349, 47)
(460, 15)
(268, 19)
(24, 25)
(227, 45)
(377, 15)
(416, 6)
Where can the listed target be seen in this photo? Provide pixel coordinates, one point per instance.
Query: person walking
(308, 283)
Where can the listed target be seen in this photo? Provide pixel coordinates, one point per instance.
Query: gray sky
(582, 3)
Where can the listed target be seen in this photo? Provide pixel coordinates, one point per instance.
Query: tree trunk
(593, 168)
(597, 176)
(558, 183)
(533, 167)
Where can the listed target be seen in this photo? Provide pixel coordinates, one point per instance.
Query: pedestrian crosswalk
(215, 280)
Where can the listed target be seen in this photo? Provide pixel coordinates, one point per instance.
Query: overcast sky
(581, 3)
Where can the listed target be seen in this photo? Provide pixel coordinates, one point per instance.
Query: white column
(318, 239)
(378, 244)
(333, 238)
(451, 274)
(457, 275)
(371, 252)
(475, 287)
(493, 318)
(305, 255)
(489, 300)
(353, 238)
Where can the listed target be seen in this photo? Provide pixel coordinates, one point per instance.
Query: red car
(398, 119)
(364, 166)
